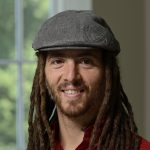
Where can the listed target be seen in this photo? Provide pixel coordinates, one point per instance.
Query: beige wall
(147, 62)
(126, 19)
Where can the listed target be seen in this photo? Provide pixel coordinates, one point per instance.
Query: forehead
(75, 53)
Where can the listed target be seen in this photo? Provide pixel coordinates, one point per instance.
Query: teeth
(71, 92)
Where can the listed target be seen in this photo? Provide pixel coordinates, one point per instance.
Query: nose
(71, 72)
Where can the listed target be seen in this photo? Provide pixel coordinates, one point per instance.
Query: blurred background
(20, 21)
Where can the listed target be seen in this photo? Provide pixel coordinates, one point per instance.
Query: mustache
(77, 84)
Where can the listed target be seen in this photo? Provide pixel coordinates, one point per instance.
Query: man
(77, 100)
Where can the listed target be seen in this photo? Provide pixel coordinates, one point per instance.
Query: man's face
(76, 81)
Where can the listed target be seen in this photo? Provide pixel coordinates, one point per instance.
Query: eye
(56, 62)
(86, 62)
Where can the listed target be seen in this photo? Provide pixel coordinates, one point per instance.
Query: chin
(74, 110)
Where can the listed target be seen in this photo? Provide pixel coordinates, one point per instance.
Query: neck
(72, 130)
(71, 133)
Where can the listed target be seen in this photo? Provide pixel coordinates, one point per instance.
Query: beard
(89, 102)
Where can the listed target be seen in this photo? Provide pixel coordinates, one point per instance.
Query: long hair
(118, 131)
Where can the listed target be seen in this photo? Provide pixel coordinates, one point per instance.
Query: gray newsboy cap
(73, 29)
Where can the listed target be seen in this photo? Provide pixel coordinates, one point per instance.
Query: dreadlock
(40, 134)
(118, 132)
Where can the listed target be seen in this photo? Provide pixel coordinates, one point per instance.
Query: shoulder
(144, 145)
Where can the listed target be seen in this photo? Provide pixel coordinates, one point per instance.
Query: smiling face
(75, 80)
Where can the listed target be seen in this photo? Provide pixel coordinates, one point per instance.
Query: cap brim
(65, 48)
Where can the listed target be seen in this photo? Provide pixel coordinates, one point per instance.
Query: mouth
(76, 93)
(72, 91)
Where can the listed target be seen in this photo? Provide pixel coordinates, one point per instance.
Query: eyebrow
(55, 54)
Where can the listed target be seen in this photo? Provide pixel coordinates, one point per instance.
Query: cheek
(52, 76)
(93, 77)
(49, 75)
